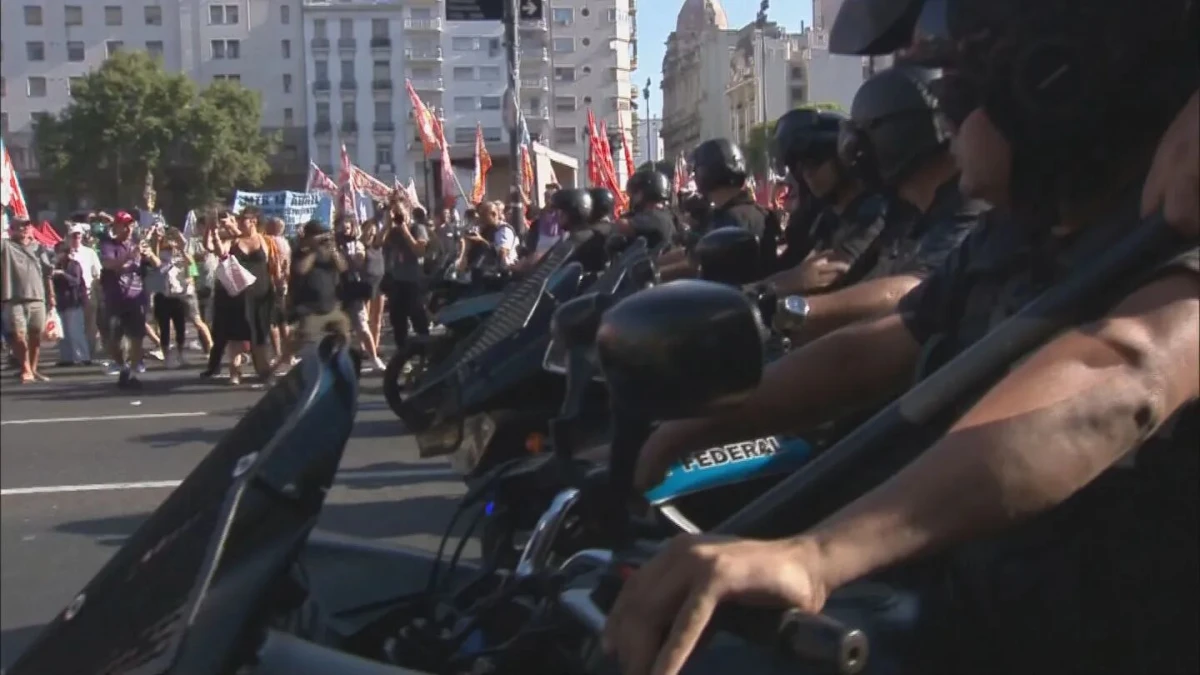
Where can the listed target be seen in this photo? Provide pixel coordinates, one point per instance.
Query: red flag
(319, 181)
(483, 164)
(10, 187)
(427, 124)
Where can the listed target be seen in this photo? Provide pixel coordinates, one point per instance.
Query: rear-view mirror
(684, 349)
(728, 255)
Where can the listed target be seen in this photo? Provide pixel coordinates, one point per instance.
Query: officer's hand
(669, 442)
(1173, 183)
(820, 270)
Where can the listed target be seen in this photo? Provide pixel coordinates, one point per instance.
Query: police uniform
(852, 236)
(917, 245)
(591, 246)
(744, 212)
(1108, 552)
(656, 225)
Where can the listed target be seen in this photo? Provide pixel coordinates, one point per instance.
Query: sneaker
(195, 346)
(156, 354)
(112, 369)
(141, 366)
(181, 360)
(379, 364)
(172, 361)
(128, 381)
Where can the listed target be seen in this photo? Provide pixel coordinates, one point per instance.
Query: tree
(131, 117)
(758, 143)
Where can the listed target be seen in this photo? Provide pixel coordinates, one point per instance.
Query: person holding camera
(356, 288)
(404, 244)
(314, 308)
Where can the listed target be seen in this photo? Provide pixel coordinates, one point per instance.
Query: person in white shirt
(89, 261)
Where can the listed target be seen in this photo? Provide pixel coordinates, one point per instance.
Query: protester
(70, 283)
(356, 289)
(246, 317)
(175, 295)
(122, 279)
(280, 255)
(374, 269)
(404, 245)
(78, 239)
(27, 295)
(313, 306)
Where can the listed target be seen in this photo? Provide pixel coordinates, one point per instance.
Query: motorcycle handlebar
(817, 639)
(285, 654)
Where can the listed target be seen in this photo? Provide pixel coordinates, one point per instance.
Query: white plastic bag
(52, 331)
(233, 276)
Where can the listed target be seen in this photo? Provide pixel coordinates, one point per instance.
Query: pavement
(83, 464)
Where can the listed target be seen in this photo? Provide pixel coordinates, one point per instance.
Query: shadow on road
(14, 641)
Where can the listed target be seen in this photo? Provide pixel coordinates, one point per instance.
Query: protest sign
(295, 208)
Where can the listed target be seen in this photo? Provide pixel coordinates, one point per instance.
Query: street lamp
(649, 116)
(761, 22)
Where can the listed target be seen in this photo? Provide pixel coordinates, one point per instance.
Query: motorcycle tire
(396, 382)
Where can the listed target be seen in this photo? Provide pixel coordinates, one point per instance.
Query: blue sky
(656, 20)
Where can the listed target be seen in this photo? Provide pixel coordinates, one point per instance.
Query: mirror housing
(575, 323)
(685, 349)
(728, 255)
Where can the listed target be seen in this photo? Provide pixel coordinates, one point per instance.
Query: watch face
(794, 304)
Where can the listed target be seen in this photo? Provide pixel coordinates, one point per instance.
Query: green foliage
(758, 144)
(131, 116)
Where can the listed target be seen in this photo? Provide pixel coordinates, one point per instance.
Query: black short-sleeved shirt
(315, 292)
(656, 226)
(917, 244)
(1113, 560)
(591, 246)
(742, 211)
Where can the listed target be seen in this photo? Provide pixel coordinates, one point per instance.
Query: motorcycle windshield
(729, 464)
(465, 309)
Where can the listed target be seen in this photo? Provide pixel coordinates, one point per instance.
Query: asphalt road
(83, 464)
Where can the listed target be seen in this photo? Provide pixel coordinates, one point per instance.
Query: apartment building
(48, 44)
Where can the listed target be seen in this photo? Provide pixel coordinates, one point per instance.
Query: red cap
(123, 218)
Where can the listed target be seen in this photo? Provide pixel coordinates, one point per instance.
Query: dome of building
(697, 15)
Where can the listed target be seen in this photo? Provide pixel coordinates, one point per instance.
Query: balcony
(348, 85)
(384, 127)
(429, 84)
(321, 86)
(347, 44)
(539, 113)
(322, 127)
(384, 169)
(537, 83)
(535, 55)
(427, 54)
(423, 25)
(349, 127)
(381, 85)
(319, 44)
(381, 44)
(534, 26)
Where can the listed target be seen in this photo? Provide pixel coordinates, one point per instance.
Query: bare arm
(870, 299)
(1046, 430)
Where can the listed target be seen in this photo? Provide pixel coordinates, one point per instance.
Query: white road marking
(104, 418)
(343, 477)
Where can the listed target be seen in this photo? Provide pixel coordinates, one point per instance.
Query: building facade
(48, 44)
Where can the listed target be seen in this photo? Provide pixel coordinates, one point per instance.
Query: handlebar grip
(812, 638)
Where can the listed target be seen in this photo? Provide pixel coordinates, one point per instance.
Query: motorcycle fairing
(729, 464)
(469, 308)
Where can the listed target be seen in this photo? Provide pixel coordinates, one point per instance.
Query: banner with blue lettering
(295, 208)
(362, 205)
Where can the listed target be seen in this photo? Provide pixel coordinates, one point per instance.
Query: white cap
(78, 228)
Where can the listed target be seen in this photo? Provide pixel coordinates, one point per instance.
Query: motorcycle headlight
(440, 439)
(477, 433)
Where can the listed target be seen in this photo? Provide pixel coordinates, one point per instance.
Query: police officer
(575, 208)
(1071, 485)
(897, 139)
(603, 204)
(721, 176)
(828, 240)
(650, 215)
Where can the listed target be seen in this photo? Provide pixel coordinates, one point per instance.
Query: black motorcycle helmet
(718, 163)
(575, 205)
(893, 125)
(603, 203)
(648, 186)
(804, 135)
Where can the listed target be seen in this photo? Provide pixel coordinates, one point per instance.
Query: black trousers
(406, 304)
(171, 311)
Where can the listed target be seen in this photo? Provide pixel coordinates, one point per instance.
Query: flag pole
(512, 12)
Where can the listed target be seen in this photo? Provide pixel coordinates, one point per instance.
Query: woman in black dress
(246, 317)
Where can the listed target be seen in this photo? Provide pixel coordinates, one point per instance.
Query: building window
(4, 122)
(379, 28)
(564, 74)
(563, 16)
(493, 46)
(228, 78)
(3, 86)
(287, 83)
(492, 134)
(489, 73)
(611, 15)
(320, 28)
(73, 15)
(321, 70)
(489, 102)
(347, 70)
(349, 114)
(35, 51)
(422, 73)
(564, 45)
(285, 47)
(153, 15)
(464, 74)
(620, 103)
(226, 49)
(463, 44)
(351, 152)
(289, 117)
(345, 28)
(33, 15)
(323, 112)
(324, 151)
(73, 84)
(464, 135)
(381, 70)
(154, 48)
(383, 154)
(223, 15)
(113, 46)
(565, 104)
(285, 15)
(37, 87)
(420, 13)
(113, 15)
(464, 104)
(564, 136)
